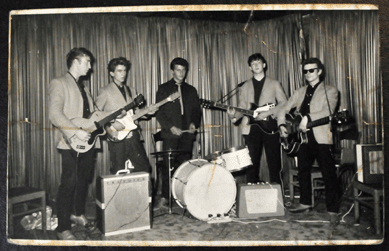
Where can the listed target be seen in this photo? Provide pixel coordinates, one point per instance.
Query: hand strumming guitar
(82, 135)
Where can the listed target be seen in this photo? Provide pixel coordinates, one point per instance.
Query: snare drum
(235, 158)
(203, 188)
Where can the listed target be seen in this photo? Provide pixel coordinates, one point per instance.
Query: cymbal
(170, 152)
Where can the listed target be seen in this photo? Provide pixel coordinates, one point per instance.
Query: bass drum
(205, 189)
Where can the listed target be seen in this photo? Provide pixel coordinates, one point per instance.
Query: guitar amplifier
(259, 200)
(370, 163)
(123, 203)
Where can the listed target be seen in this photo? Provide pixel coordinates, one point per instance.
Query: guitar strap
(329, 108)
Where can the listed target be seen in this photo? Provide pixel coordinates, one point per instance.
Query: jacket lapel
(116, 95)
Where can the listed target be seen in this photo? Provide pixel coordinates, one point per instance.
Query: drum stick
(190, 130)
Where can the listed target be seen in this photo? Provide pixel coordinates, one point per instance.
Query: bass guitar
(129, 118)
(95, 124)
(291, 144)
(267, 125)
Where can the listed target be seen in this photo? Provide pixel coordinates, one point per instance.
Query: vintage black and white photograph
(195, 125)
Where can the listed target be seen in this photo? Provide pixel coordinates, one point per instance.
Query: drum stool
(23, 196)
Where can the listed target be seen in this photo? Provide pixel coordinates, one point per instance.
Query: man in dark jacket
(178, 120)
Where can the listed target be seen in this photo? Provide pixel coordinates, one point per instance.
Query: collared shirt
(305, 106)
(86, 109)
(258, 86)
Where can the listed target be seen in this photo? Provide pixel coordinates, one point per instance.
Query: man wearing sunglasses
(314, 101)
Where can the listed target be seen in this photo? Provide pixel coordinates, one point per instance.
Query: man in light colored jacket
(70, 99)
(314, 101)
(260, 90)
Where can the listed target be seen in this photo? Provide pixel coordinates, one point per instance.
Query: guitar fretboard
(318, 122)
(225, 107)
(145, 111)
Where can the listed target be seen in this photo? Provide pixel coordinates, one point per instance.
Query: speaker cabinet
(259, 200)
(123, 203)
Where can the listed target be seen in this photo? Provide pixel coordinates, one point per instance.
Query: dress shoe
(162, 202)
(300, 208)
(334, 219)
(66, 235)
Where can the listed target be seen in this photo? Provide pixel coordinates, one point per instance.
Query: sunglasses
(310, 70)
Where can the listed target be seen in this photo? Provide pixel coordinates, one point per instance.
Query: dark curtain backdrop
(216, 51)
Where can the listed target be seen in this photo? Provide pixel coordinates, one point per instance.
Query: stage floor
(308, 228)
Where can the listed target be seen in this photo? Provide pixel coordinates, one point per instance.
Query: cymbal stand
(170, 182)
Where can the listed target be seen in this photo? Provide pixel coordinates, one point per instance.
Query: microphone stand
(238, 86)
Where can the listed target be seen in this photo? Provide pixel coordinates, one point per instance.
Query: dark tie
(86, 110)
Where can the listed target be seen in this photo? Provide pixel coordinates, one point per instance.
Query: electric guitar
(129, 118)
(95, 124)
(267, 125)
(291, 144)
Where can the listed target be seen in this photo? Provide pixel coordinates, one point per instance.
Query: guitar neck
(145, 111)
(318, 122)
(113, 115)
(225, 107)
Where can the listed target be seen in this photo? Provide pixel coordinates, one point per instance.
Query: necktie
(181, 102)
(86, 111)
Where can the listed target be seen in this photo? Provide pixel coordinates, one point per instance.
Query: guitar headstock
(205, 103)
(173, 96)
(140, 99)
(341, 117)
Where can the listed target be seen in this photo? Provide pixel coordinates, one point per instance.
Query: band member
(260, 90)
(174, 118)
(69, 99)
(112, 97)
(314, 101)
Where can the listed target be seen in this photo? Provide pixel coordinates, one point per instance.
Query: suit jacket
(169, 115)
(272, 92)
(65, 104)
(318, 109)
(111, 99)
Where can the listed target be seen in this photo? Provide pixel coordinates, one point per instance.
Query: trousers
(77, 173)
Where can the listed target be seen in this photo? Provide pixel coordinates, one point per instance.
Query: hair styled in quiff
(77, 53)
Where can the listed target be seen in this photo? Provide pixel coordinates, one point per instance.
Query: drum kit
(206, 187)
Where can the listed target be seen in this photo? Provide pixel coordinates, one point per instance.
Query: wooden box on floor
(123, 203)
(259, 200)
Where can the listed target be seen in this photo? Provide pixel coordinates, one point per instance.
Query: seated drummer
(175, 117)
(260, 90)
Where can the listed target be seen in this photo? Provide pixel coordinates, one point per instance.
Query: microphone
(241, 84)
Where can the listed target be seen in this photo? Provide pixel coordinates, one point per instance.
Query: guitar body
(128, 122)
(95, 125)
(268, 125)
(87, 125)
(292, 143)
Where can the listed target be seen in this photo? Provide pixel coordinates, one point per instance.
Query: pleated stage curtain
(347, 42)
(216, 51)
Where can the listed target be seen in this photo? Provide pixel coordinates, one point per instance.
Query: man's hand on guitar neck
(231, 112)
(152, 109)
